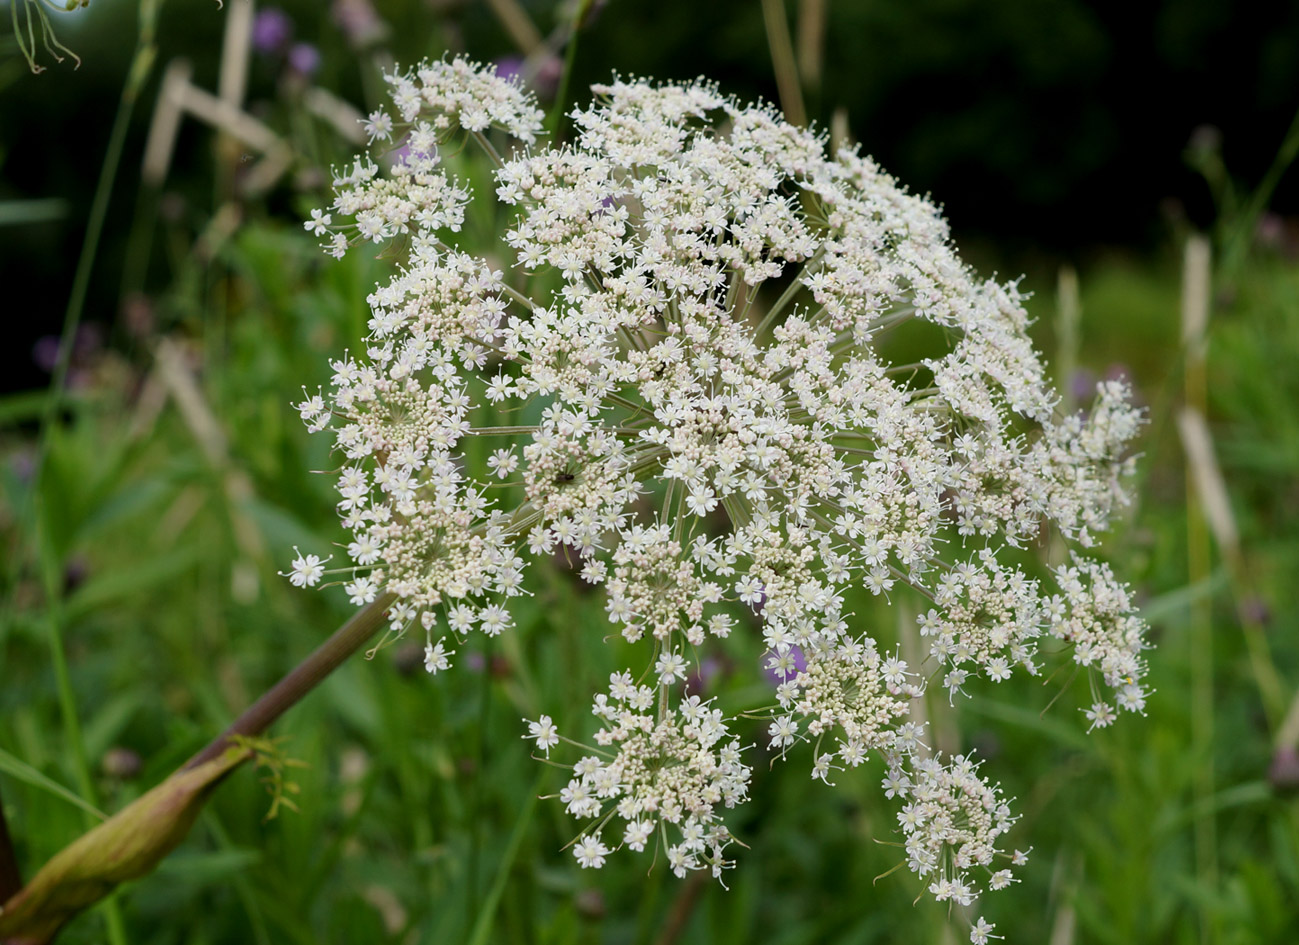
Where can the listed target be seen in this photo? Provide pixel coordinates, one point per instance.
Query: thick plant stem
(11, 880)
(683, 908)
(304, 677)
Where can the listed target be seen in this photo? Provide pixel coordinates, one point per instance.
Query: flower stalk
(304, 677)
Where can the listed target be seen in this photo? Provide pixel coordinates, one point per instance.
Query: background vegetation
(143, 514)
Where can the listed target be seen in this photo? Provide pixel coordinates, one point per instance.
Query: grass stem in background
(486, 915)
(1195, 320)
(683, 907)
(1215, 504)
(516, 22)
(555, 120)
(811, 42)
(63, 685)
(1238, 240)
(1067, 319)
(782, 61)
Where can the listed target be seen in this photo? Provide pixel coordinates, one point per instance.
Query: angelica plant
(690, 349)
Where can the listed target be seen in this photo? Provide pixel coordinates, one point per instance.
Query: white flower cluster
(952, 820)
(846, 689)
(415, 196)
(660, 769)
(692, 352)
(439, 95)
(1096, 617)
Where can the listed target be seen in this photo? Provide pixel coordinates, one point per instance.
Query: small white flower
(437, 657)
(307, 570)
(670, 667)
(590, 852)
(545, 733)
(783, 732)
(319, 223)
(361, 591)
(821, 769)
(378, 125)
(1100, 715)
(981, 931)
(502, 463)
(637, 834)
(364, 550)
(493, 619)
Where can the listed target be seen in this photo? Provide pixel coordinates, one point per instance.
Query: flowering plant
(691, 348)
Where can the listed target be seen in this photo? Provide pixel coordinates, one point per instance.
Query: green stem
(555, 120)
(518, 297)
(487, 912)
(792, 290)
(72, 725)
(67, 697)
(86, 262)
(502, 431)
(477, 818)
(1238, 242)
(1196, 309)
(487, 148)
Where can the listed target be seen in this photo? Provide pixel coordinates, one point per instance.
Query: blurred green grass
(418, 818)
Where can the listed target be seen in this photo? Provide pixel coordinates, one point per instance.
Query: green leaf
(38, 210)
(108, 721)
(203, 868)
(22, 406)
(108, 588)
(1176, 601)
(1048, 725)
(487, 914)
(17, 768)
(124, 504)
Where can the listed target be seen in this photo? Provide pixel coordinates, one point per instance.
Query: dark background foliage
(1048, 130)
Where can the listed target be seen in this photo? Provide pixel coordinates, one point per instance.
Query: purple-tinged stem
(304, 677)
